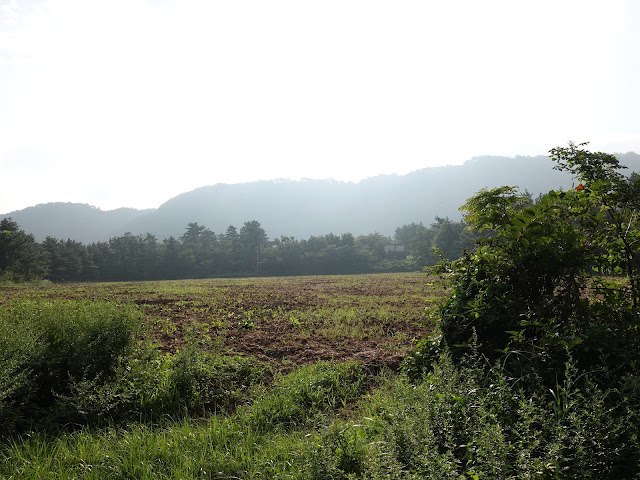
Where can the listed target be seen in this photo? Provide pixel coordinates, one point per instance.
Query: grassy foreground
(82, 395)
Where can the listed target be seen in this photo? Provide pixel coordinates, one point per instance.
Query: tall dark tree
(421, 251)
(150, 256)
(405, 234)
(335, 254)
(127, 256)
(69, 261)
(102, 257)
(451, 238)
(374, 243)
(199, 246)
(252, 237)
(21, 257)
(282, 257)
(172, 264)
(228, 252)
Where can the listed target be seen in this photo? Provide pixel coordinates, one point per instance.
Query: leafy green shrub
(556, 392)
(80, 363)
(18, 348)
(149, 385)
(50, 348)
(532, 289)
(421, 359)
(80, 340)
(139, 390)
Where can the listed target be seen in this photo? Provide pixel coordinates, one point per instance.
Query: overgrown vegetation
(530, 375)
(538, 288)
(74, 363)
(549, 300)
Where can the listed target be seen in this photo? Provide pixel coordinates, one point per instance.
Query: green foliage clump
(149, 386)
(426, 353)
(48, 348)
(469, 421)
(442, 239)
(22, 259)
(540, 340)
(464, 420)
(341, 451)
(533, 290)
(202, 382)
(306, 395)
(267, 438)
(83, 363)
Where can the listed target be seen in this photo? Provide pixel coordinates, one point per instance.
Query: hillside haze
(308, 207)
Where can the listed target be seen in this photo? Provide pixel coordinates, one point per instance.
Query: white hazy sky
(127, 103)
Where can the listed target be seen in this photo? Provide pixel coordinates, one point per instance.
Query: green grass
(218, 449)
(319, 422)
(266, 439)
(196, 413)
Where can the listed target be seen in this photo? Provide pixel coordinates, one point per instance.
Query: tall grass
(470, 422)
(73, 364)
(455, 422)
(267, 439)
(304, 397)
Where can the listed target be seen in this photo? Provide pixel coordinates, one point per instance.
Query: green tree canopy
(21, 257)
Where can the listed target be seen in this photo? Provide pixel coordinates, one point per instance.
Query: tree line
(201, 253)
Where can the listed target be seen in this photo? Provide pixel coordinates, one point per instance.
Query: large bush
(49, 347)
(538, 286)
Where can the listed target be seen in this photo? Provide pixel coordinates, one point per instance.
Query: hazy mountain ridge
(78, 221)
(307, 207)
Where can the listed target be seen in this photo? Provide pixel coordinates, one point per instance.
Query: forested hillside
(307, 208)
(201, 253)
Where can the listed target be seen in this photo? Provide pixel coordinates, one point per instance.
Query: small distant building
(395, 251)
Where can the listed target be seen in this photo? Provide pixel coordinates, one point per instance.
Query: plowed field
(286, 321)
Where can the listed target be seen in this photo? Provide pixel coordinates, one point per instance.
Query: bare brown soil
(289, 321)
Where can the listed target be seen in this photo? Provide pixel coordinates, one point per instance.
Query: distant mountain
(77, 221)
(308, 207)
